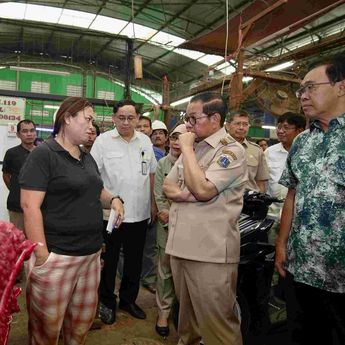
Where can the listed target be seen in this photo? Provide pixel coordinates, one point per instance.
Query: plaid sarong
(62, 294)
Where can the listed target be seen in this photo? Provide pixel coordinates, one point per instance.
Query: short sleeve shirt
(208, 231)
(257, 166)
(163, 168)
(316, 170)
(276, 157)
(13, 162)
(71, 208)
(159, 154)
(125, 168)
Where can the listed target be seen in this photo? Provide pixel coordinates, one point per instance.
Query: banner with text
(12, 109)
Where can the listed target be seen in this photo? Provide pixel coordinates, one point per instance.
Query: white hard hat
(156, 124)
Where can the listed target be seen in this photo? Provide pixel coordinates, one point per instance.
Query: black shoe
(149, 287)
(107, 315)
(163, 331)
(133, 309)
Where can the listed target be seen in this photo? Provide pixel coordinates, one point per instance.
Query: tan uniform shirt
(208, 231)
(164, 166)
(257, 166)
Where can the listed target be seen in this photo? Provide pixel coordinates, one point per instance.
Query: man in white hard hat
(159, 138)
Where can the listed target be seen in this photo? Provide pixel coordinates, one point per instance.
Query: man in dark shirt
(13, 161)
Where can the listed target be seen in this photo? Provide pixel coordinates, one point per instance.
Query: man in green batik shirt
(310, 246)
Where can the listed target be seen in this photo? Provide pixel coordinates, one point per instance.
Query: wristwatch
(116, 197)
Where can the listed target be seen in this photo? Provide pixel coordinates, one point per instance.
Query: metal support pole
(127, 92)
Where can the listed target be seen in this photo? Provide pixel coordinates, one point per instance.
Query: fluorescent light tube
(181, 101)
(44, 129)
(268, 127)
(39, 70)
(280, 66)
(48, 106)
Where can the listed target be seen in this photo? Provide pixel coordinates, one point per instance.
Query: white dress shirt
(125, 168)
(276, 157)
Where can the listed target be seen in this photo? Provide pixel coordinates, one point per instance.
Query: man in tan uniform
(237, 125)
(206, 186)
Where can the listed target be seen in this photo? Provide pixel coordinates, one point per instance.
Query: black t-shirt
(71, 209)
(13, 162)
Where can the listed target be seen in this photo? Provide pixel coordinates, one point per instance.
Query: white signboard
(11, 109)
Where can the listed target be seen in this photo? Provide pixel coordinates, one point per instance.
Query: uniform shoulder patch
(230, 153)
(225, 140)
(224, 161)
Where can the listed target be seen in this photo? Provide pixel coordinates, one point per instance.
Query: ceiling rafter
(178, 18)
(300, 35)
(170, 51)
(100, 8)
(50, 39)
(184, 9)
(106, 45)
(236, 9)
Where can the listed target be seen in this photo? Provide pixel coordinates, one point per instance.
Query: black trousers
(315, 316)
(131, 237)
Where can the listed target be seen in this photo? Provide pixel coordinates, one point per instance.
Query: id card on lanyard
(143, 163)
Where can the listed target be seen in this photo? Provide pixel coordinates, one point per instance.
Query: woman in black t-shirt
(62, 197)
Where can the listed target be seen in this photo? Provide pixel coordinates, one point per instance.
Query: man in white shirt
(127, 164)
(288, 127)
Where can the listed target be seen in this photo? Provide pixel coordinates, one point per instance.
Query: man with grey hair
(237, 124)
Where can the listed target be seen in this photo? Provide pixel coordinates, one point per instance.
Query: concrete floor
(126, 331)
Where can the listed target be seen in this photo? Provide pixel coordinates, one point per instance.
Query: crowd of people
(164, 205)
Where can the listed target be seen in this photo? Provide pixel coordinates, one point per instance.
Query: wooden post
(236, 87)
(166, 99)
(127, 91)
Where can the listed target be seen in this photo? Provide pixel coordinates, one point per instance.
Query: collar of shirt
(116, 134)
(214, 139)
(245, 143)
(55, 146)
(282, 149)
(23, 148)
(171, 158)
(333, 124)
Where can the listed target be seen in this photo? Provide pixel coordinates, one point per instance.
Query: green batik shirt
(316, 169)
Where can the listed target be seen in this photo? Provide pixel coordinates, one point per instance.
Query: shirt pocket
(113, 161)
(276, 170)
(252, 161)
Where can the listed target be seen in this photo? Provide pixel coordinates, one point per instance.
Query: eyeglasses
(192, 120)
(285, 128)
(174, 137)
(128, 118)
(310, 87)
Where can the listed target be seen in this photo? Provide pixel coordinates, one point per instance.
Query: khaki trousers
(206, 293)
(165, 295)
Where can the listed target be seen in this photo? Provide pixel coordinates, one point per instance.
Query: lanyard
(143, 162)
